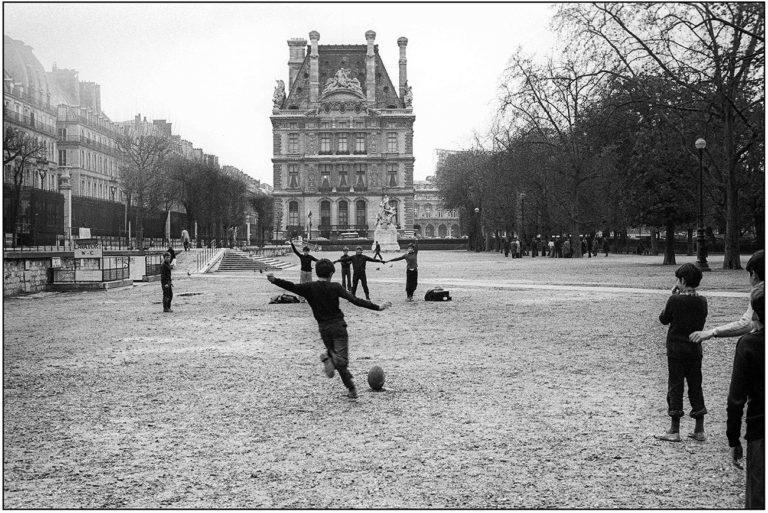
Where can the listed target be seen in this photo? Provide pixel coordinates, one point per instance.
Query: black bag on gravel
(437, 294)
(284, 298)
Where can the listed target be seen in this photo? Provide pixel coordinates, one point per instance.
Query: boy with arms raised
(323, 297)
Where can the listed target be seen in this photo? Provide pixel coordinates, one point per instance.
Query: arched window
(360, 217)
(343, 214)
(325, 213)
(293, 213)
(429, 231)
(455, 231)
(442, 231)
(427, 210)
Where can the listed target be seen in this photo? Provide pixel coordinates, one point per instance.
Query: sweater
(685, 313)
(747, 387)
(323, 297)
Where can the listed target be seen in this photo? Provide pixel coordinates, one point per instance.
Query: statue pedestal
(386, 237)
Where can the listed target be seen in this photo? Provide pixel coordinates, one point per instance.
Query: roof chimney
(314, 71)
(296, 48)
(370, 69)
(402, 43)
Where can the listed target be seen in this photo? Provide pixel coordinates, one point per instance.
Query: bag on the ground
(437, 294)
(284, 298)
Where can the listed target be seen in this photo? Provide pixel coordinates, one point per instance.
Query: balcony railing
(29, 122)
(91, 143)
(28, 98)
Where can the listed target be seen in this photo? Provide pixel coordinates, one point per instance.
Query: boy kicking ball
(685, 312)
(323, 297)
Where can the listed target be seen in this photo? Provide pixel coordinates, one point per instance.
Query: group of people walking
(555, 246)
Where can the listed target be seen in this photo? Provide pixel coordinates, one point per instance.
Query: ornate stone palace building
(342, 139)
(431, 218)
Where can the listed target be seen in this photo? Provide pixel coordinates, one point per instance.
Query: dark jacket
(685, 313)
(747, 387)
(165, 274)
(306, 260)
(358, 263)
(323, 296)
(345, 261)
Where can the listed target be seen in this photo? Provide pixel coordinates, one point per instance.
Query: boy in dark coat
(165, 282)
(323, 297)
(346, 262)
(306, 263)
(411, 269)
(748, 387)
(685, 312)
(358, 271)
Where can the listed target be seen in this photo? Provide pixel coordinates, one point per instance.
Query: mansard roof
(330, 59)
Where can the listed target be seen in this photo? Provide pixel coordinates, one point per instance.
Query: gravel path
(502, 398)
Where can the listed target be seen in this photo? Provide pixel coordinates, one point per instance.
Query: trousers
(336, 340)
(346, 278)
(685, 370)
(167, 297)
(411, 281)
(755, 493)
(359, 277)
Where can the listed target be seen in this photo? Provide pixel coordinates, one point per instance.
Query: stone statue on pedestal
(386, 231)
(279, 95)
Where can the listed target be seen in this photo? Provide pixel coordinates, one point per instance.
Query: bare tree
(549, 104)
(21, 150)
(144, 156)
(714, 50)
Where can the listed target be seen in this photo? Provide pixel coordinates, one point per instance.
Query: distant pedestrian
(506, 247)
(346, 263)
(185, 239)
(551, 248)
(377, 252)
(685, 312)
(306, 263)
(558, 247)
(411, 269)
(748, 388)
(165, 282)
(567, 248)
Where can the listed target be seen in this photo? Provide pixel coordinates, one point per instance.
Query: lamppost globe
(477, 210)
(701, 241)
(700, 143)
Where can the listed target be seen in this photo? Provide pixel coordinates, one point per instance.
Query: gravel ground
(506, 397)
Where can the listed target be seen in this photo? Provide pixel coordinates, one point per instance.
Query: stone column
(66, 189)
(314, 70)
(168, 226)
(248, 229)
(402, 43)
(370, 69)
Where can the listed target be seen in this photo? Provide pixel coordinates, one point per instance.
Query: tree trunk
(669, 247)
(731, 258)
(654, 241)
(760, 228)
(139, 222)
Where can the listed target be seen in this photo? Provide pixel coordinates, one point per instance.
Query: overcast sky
(211, 69)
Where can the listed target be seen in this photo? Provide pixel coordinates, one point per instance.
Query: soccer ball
(376, 378)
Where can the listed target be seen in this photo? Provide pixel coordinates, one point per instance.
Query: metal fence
(153, 264)
(115, 268)
(204, 256)
(269, 251)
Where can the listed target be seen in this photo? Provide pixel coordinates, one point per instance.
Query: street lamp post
(309, 235)
(701, 253)
(42, 170)
(113, 188)
(477, 229)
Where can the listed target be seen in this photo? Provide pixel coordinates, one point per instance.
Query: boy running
(323, 296)
(685, 312)
(411, 269)
(377, 252)
(306, 264)
(346, 262)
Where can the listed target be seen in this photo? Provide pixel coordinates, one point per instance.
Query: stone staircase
(237, 261)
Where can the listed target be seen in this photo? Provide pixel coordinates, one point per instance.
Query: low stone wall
(30, 272)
